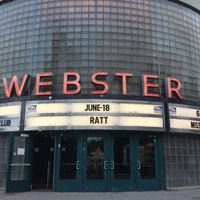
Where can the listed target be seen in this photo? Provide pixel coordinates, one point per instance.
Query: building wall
(182, 160)
(136, 36)
(150, 36)
(4, 150)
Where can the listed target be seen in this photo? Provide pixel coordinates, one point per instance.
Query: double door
(107, 162)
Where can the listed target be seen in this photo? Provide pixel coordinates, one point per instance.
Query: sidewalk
(193, 194)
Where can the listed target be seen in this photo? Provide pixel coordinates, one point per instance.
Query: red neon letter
(94, 80)
(40, 83)
(173, 90)
(146, 85)
(14, 86)
(71, 82)
(124, 75)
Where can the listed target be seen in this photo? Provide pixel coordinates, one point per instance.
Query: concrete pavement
(192, 194)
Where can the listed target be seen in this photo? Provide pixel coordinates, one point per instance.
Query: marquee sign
(94, 114)
(184, 118)
(10, 116)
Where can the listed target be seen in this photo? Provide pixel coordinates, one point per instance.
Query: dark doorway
(42, 165)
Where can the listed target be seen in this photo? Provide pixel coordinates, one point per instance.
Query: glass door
(81, 162)
(121, 168)
(95, 159)
(68, 164)
(19, 163)
(148, 163)
(96, 162)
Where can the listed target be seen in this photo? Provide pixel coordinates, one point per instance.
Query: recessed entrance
(42, 162)
(93, 161)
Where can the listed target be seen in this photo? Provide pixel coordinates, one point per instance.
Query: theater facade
(99, 95)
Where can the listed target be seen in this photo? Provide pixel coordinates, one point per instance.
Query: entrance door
(121, 168)
(106, 162)
(19, 163)
(81, 162)
(148, 173)
(68, 163)
(96, 163)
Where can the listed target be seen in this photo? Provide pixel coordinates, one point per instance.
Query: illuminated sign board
(94, 114)
(10, 116)
(72, 84)
(184, 118)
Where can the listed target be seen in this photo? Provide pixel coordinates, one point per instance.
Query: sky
(194, 3)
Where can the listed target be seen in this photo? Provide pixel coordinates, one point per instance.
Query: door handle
(112, 164)
(77, 164)
(138, 165)
(105, 164)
